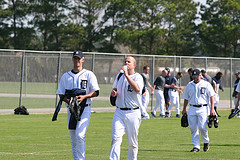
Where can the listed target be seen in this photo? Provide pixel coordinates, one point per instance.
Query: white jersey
(198, 93)
(85, 79)
(126, 97)
(238, 87)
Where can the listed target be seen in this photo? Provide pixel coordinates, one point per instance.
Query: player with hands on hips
(127, 116)
(197, 94)
(79, 78)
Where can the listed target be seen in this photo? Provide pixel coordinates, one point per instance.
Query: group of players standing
(132, 99)
(166, 89)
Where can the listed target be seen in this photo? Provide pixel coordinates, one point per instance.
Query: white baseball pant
(78, 136)
(145, 101)
(174, 99)
(159, 102)
(128, 121)
(197, 119)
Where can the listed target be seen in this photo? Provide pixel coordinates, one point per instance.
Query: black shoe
(206, 147)
(195, 150)
(177, 115)
(215, 120)
(166, 114)
(154, 116)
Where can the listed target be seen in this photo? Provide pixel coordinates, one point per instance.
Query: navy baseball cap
(196, 73)
(78, 54)
(168, 70)
(237, 73)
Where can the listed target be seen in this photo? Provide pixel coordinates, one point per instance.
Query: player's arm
(90, 95)
(185, 103)
(214, 86)
(132, 83)
(238, 99)
(212, 112)
(150, 86)
(154, 86)
(65, 99)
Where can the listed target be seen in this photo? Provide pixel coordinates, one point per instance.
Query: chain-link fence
(31, 77)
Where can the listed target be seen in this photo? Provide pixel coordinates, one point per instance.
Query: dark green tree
(220, 28)
(48, 17)
(87, 15)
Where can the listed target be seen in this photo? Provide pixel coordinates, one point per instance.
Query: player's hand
(181, 87)
(152, 93)
(114, 93)
(180, 91)
(80, 98)
(212, 112)
(184, 112)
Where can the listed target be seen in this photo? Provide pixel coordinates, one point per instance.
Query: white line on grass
(31, 153)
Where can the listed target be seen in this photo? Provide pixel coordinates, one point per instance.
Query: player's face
(77, 61)
(196, 79)
(147, 70)
(130, 62)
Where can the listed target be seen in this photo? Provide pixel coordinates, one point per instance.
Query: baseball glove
(233, 113)
(184, 121)
(211, 120)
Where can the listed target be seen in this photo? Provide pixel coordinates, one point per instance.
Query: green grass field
(37, 137)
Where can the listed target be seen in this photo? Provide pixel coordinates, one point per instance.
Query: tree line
(167, 27)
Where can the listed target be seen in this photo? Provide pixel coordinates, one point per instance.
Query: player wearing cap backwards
(82, 79)
(197, 94)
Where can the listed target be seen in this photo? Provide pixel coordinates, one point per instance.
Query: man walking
(197, 95)
(81, 79)
(127, 117)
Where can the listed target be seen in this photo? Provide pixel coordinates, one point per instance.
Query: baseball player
(173, 93)
(86, 80)
(235, 93)
(217, 80)
(190, 70)
(158, 91)
(127, 117)
(145, 96)
(197, 94)
(238, 97)
(168, 80)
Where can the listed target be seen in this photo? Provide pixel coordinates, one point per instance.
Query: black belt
(198, 105)
(174, 90)
(126, 109)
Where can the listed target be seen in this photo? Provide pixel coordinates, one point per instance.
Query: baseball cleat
(216, 122)
(210, 120)
(177, 115)
(206, 147)
(154, 116)
(162, 116)
(233, 113)
(195, 150)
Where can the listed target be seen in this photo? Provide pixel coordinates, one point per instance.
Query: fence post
(22, 72)
(206, 61)
(230, 82)
(25, 73)
(93, 62)
(153, 64)
(58, 73)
